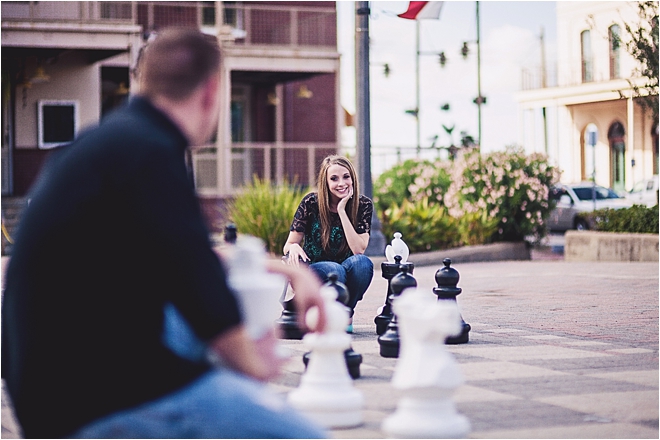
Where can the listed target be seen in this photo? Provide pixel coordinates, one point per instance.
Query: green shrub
(266, 211)
(477, 228)
(423, 226)
(412, 180)
(638, 219)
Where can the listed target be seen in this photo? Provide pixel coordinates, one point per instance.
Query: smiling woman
(331, 227)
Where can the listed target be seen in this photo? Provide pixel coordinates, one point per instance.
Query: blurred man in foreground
(113, 236)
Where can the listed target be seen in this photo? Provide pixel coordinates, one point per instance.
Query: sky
(510, 41)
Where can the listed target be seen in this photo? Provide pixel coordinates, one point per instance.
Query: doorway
(616, 137)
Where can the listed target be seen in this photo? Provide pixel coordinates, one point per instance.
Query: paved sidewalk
(557, 350)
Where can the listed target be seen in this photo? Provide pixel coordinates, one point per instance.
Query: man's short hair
(176, 62)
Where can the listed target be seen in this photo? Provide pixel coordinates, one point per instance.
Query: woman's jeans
(356, 272)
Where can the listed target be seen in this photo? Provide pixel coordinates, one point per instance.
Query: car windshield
(585, 193)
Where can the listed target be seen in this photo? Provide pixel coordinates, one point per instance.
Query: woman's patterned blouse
(306, 220)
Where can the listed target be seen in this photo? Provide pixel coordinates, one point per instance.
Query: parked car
(573, 200)
(645, 192)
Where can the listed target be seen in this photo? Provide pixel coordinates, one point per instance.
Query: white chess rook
(326, 392)
(426, 374)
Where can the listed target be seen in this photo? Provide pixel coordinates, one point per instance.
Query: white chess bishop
(426, 374)
(326, 392)
(397, 247)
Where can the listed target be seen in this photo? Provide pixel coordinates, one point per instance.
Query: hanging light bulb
(39, 76)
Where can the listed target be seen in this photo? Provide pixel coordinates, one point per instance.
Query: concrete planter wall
(468, 254)
(610, 246)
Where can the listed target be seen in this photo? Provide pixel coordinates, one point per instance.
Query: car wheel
(581, 224)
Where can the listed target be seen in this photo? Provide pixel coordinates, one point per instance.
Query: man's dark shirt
(113, 231)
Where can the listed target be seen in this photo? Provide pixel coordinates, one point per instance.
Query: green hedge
(638, 219)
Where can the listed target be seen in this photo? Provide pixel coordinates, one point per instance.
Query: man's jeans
(220, 404)
(355, 272)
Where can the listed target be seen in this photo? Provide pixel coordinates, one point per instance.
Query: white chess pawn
(326, 392)
(398, 247)
(426, 373)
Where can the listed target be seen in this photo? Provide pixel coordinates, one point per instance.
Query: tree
(643, 46)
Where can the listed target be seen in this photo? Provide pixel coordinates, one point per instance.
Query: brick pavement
(557, 350)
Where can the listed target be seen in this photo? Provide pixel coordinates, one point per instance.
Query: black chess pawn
(288, 320)
(230, 233)
(353, 359)
(389, 270)
(389, 341)
(447, 280)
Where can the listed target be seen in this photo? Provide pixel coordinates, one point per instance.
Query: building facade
(66, 64)
(588, 120)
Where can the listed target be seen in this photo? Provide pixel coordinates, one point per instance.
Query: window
(58, 122)
(614, 34)
(587, 62)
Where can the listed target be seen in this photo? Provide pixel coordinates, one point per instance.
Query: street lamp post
(363, 127)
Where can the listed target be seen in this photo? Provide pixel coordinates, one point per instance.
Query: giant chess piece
(326, 392)
(389, 341)
(447, 280)
(426, 373)
(353, 359)
(388, 271)
(288, 320)
(256, 289)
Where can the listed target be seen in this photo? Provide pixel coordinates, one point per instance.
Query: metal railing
(76, 12)
(281, 161)
(282, 25)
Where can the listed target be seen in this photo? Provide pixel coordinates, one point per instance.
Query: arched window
(614, 35)
(587, 62)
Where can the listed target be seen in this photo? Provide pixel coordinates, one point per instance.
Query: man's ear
(211, 91)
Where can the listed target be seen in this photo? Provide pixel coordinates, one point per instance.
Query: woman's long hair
(324, 199)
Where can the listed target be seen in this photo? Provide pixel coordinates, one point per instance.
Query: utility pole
(479, 98)
(417, 99)
(363, 126)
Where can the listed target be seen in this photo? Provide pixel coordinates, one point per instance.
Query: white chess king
(426, 374)
(326, 392)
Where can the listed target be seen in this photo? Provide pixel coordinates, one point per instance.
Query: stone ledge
(610, 246)
(467, 254)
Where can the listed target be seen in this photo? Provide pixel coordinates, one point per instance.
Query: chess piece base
(426, 418)
(341, 408)
(288, 322)
(463, 338)
(389, 344)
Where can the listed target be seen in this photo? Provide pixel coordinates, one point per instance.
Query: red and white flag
(421, 10)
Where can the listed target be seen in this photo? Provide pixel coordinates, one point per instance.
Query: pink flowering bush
(509, 186)
(500, 196)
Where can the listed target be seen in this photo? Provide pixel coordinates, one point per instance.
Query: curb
(468, 254)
